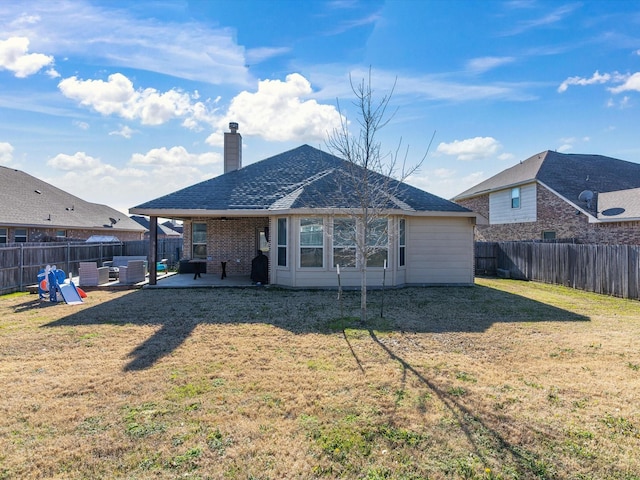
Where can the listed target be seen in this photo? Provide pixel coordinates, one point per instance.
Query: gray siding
(500, 210)
(439, 251)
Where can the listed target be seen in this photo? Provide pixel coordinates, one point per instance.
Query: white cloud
(6, 153)
(117, 96)
(193, 49)
(565, 148)
(471, 148)
(125, 131)
(483, 64)
(596, 78)
(77, 161)
(81, 125)
(174, 157)
(631, 83)
(628, 82)
(258, 55)
(14, 57)
(280, 111)
(551, 18)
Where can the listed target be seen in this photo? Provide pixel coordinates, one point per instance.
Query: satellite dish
(586, 196)
(113, 220)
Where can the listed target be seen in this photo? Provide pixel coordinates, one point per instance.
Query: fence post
(21, 276)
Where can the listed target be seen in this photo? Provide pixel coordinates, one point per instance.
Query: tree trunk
(363, 293)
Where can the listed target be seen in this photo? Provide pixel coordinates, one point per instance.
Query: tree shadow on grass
(419, 310)
(476, 429)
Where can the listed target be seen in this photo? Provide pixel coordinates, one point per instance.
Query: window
(344, 242)
(311, 242)
(20, 235)
(402, 243)
(515, 197)
(3, 235)
(199, 240)
(377, 243)
(282, 242)
(262, 239)
(61, 233)
(549, 235)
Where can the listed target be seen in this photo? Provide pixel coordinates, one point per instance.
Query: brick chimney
(232, 149)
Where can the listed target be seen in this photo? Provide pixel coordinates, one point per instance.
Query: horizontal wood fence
(607, 269)
(21, 262)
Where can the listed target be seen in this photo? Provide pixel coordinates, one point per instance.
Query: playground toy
(52, 281)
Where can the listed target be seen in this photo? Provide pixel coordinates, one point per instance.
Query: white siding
(500, 210)
(439, 251)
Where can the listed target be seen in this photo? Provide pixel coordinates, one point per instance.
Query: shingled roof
(27, 201)
(567, 174)
(302, 178)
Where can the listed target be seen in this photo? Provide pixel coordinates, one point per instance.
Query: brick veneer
(553, 214)
(233, 240)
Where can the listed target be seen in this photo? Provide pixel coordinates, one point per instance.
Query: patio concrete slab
(206, 280)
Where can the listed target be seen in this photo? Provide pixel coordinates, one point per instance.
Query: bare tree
(373, 178)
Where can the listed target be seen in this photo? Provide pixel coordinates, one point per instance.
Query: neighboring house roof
(566, 174)
(161, 230)
(300, 179)
(623, 205)
(26, 201)
(174, 226)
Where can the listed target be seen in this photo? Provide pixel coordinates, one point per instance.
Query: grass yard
(503, 380)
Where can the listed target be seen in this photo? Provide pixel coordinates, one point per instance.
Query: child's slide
(70, 293)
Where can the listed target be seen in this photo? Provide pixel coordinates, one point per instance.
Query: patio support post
(153, 250)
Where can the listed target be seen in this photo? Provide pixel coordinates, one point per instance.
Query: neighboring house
(163, 230)
(34, 211)
(582, 198)
(176, 227)
(290, 206)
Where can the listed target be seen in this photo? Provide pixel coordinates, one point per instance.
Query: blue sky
(120, 102)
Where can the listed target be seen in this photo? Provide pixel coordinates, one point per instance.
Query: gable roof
(27, 201)
(567, 174)
(163, 229)
(301, 179)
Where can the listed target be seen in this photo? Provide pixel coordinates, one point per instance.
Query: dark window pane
(199, 251)
(282, 256)
(311, 257)
(282, 231)
(345, 257)
(377, 258)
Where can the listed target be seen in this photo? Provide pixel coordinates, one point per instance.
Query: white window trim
(282, 245)
(321, 246)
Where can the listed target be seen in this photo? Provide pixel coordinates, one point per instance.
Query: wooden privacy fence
(607, 269)
(21, 262)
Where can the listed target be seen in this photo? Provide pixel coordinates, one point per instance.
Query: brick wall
(553, 214)
(233, 240)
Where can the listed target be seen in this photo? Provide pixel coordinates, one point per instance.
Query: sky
(121, 102)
